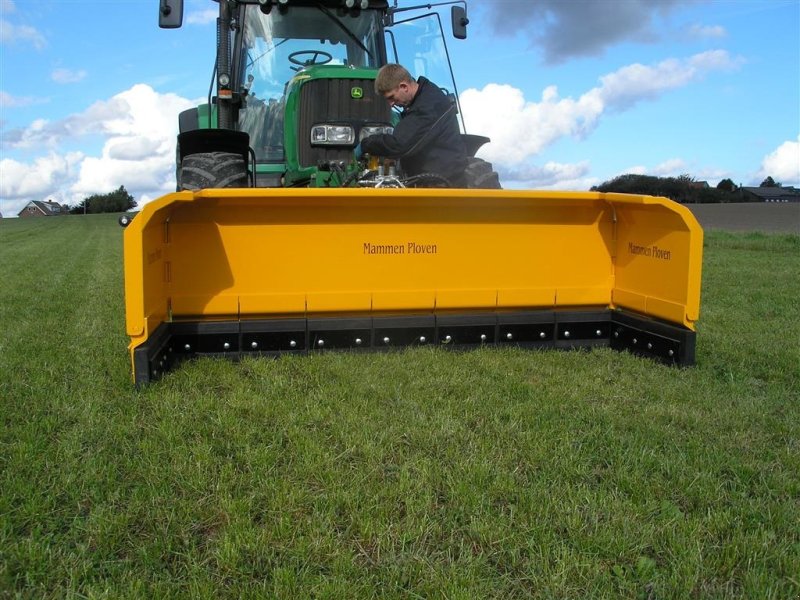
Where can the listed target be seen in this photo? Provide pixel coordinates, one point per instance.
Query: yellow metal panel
(630, 300)
(533, 297)
(264, 304)
(480, 299)
(205, 304)
(134, 287)
(239, 252)
(404, 300)
(146, 255)
(339, 302)
(671, 311)
(338, 244)
(658, 256)
(584, 296)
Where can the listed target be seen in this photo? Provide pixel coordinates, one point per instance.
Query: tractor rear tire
(480, 175)
(212, 170)
(427, 180)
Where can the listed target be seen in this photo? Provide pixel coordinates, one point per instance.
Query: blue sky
(572, 92)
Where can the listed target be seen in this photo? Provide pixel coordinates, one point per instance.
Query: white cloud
(783, 164)
(628, 85)
(202, 17)
(520, 129)
(715, 60)
(673, 167)
(34, 181)
(104, 174)
(707, 31)
(12, 34)
(68, 76)
(552, 175)
(128, 148)
(634, 170)
(526, 128)
(9, 101)
(139, 127)
(137, 112)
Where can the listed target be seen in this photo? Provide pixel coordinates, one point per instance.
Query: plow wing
(229, 272)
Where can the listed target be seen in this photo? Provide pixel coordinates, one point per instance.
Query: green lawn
(418, 474)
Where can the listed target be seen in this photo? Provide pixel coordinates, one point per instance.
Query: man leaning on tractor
(426, 139)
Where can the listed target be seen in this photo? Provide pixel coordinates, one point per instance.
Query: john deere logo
(356, 92)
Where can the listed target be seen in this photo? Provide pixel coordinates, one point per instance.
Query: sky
(572, 93)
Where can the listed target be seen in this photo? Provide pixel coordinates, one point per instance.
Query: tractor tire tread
(481, 175)
(212, 170)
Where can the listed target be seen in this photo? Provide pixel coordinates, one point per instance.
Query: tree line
(682, 189)
(114, 202)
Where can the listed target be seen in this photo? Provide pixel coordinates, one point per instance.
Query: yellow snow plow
(248, 271)
(283, 240)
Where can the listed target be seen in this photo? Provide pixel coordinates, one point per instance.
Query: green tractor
(294, 81)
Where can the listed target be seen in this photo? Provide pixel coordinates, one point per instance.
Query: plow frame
(240, 272)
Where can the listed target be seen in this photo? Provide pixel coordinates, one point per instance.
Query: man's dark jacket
(427, 138)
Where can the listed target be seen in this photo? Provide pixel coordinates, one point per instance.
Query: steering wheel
(312, 60)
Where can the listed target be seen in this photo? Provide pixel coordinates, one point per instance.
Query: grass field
(417, 474)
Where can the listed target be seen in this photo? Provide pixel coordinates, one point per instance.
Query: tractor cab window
(280, 44)
(418, 43)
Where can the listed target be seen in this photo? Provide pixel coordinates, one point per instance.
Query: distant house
(700, 185)
(40, 208)
(771, 194)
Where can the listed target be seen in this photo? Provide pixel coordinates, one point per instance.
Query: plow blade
(274, 271)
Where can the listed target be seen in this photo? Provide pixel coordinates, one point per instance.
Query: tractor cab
(278, 52)
(298, 77)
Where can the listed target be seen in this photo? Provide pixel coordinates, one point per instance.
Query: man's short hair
(390, 76)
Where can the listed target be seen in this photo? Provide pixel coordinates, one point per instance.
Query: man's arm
(405, 139)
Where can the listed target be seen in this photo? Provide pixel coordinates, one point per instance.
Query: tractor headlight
(374, 130)
(332, 135)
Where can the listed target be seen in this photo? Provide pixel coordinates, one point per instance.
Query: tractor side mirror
(458, 16)
(170, 14)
